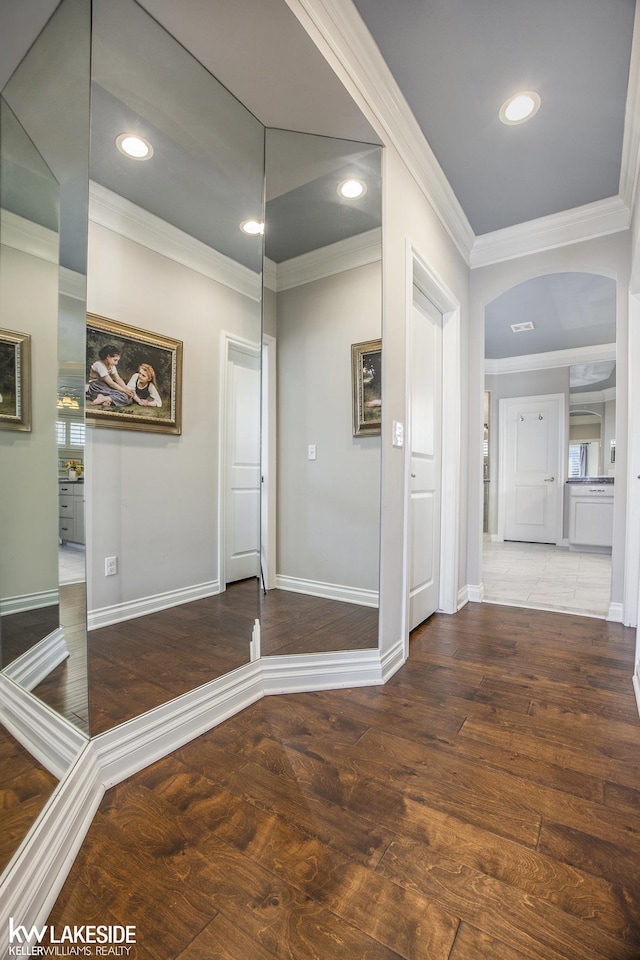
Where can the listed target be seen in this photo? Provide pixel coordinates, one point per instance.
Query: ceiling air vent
(519, 327)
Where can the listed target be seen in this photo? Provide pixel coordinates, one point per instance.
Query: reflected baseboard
(636, 688)
(48, 736)
(130, 609)
(33, 666)
(29, 601)
(329, 591)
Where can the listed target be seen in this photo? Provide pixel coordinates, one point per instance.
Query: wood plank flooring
(485, 803)
(25, 787)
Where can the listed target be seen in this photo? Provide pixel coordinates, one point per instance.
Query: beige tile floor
(546, 577)
(71, 563)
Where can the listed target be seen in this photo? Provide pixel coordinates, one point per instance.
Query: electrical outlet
(110, 566)
(311, 451)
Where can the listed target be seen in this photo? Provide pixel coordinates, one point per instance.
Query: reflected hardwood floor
(139, 664)
(25, 787)
(484, 803)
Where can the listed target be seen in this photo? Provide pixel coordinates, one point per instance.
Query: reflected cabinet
(190, 285)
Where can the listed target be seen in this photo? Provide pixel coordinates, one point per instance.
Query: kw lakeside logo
(78, 940)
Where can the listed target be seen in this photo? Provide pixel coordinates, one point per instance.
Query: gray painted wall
(328, 508)
(152, 500)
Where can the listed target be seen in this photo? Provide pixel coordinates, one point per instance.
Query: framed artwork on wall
(15, 380)
(366, 374)
(133, 378)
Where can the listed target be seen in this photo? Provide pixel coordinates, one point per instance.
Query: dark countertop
(591, 480)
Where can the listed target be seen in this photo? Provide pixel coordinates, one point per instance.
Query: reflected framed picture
(366, 373)
(15, 380)
(133, 378)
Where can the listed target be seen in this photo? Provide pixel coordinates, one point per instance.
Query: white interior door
(531, 456)
(242, 454)
(426, 466)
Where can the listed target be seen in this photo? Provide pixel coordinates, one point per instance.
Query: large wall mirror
(592, 419)
(143, 540)
(322, 316)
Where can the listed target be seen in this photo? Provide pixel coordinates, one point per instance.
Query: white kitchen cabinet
(591, 515)
(71, 511)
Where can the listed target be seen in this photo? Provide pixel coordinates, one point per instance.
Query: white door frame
(418, 270)
(268, 466)
(241, 344)
(560, 400)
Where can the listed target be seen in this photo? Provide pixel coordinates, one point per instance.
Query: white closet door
(426, 466)
(242, 502)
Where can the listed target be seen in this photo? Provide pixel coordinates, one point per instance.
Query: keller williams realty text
(75, 941)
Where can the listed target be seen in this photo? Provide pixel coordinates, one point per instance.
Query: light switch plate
(397, 434)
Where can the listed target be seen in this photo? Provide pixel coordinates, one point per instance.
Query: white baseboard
(130, 609)
(31, 668)
(132, 746)
(392, 660)
(616, 613)
(463, 597)
(475, 592)
(330, 591)
(301, 672)
(31, 883)
(51, 739)
(636, 688)
(496, 538)
(29, 601)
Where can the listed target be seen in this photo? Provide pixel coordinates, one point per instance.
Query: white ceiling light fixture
(134, 147)
(352, 189)
(255, 228)
(520, 107)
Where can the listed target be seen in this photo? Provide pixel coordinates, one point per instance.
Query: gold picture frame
(142, 389)
(15, 380)
(366, 375)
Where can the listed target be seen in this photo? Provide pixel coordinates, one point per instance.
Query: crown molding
(587, 222)
(29, 237)
(342, 37)
(334, 258)
(592, 396)
(112, 211)
(553, 358)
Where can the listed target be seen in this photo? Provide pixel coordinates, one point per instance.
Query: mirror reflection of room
(551, 340)
(321, 522)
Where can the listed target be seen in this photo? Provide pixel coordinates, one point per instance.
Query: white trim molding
(130, 609)
(31, 883)
(616, 613)
(52, 740)
(553, 358)
(636, 688)
(36, 663)
(475, 592)
(298, 673)
(587, 222)
(29, 601)
(335, 258)
(112, 211)
(330, 591)
(341, 36)
(28, 237)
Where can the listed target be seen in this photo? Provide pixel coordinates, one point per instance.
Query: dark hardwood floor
(299, 623)
(25, 787)
(485, 803)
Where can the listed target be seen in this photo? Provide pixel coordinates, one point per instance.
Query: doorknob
(549, 479)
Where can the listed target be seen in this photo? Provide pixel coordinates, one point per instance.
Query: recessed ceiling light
(521, 327)
(520, 107)
(134, 147)
(253, 227)
(352, 189)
